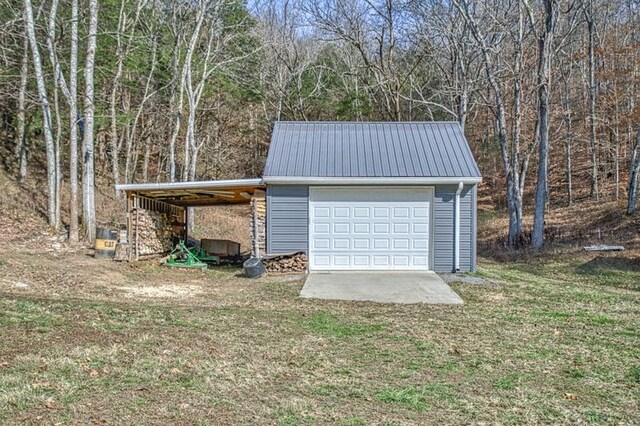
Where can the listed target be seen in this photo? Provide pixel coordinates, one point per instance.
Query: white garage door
(356, 228)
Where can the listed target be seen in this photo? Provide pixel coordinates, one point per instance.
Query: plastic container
(253, 267)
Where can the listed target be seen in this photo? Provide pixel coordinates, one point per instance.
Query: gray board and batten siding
(288, 223)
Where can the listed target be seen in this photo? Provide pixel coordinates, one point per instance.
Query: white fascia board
(305, 180)
(188, 185)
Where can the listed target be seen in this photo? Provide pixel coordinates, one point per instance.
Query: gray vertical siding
(288, 223)
(443, 228)
(287, 218)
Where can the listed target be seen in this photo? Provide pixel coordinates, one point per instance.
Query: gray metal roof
(369, 149)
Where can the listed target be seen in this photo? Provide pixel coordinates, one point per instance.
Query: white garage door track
(382, 287)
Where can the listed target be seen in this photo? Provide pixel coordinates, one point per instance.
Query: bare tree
(88, 174)
(634, 171)
(46, 113)
(591, 30)
(545, 50)
(21, 141)
(73, 129)
(510, 151)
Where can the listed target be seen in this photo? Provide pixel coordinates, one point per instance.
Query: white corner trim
(305, 180)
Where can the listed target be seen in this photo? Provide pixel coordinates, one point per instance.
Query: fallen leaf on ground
(94, 373)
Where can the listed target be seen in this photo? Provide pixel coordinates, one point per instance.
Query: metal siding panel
(375, 149)
(420, 146)
(443, 234)
(443, 160)
(432, 159)
(443, 228)
(451, 152)
(287, 218)
(466, 228)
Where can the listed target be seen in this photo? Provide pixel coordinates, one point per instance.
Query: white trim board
(370, 181)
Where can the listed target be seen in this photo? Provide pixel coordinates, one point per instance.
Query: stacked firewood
(258, 223)
(154, 232)
(291, 262)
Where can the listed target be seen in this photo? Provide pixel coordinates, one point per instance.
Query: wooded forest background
(548, 91)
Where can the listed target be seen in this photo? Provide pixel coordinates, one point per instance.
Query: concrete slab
(382, 287)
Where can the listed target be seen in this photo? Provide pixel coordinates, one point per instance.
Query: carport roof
(193, 194)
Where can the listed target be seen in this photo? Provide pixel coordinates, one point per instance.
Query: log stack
(152, 232)
(290, 262)
(258, 223)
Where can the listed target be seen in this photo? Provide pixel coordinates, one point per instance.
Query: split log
(604, 248)
(289, 262)
(155, 231)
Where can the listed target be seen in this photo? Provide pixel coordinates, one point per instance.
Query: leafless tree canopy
(131, 91)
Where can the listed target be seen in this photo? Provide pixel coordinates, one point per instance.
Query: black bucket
(106, 240)
(253, 267)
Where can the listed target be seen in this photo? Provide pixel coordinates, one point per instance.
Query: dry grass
(87, 341)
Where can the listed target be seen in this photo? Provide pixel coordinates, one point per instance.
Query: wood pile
(154, 231)
(258, 223)
(122, 252)
(289, 262)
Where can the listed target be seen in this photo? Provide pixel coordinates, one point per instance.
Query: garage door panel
(361, 228)
(381, 212)
(370, 228)
(341, 244)
(321, 212)
(400, 228)
(341, 212)
(400, 212)
(321, 228)
(341, 228)
(381, 228)
(361, 212)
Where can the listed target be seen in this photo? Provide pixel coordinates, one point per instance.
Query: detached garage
(373, 196)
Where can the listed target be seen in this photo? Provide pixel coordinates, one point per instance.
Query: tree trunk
(58, 155)
(21, 130)
(545, 45)
(566, 105)
(634, 170)
(592, 98)
(73, 129)
(88, 177)
(46, 112)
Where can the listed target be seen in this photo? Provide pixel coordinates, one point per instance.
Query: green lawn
(553, 342)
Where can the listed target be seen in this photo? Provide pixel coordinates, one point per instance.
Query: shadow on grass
(624, 271)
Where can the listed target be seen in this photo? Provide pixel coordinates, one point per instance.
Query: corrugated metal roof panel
(369, 149)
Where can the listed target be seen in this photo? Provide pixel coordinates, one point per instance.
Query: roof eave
(314, 180)
(189, 185)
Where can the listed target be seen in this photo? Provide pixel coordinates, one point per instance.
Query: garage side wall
(287, 218)
(444, 200)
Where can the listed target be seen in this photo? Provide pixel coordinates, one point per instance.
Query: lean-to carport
(174, 198)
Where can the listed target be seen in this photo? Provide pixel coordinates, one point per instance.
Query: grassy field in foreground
(548, 342)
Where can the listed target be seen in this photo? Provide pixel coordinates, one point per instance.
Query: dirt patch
(162, 291)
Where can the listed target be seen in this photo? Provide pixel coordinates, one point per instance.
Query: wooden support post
(129, 227)
(136, 202)
(186, 224)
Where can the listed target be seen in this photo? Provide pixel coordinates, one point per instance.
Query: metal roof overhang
(195, 194)
(308, 180)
